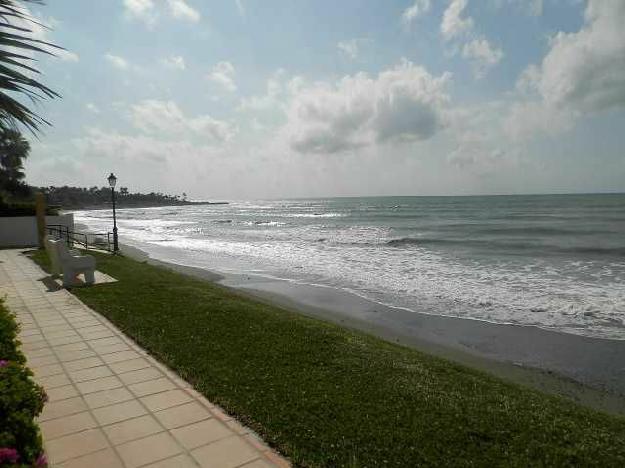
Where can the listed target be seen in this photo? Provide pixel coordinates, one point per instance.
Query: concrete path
(111, 404)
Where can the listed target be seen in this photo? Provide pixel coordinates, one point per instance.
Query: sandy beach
(588, 370)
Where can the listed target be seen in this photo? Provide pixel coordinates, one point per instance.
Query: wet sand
(590, 371)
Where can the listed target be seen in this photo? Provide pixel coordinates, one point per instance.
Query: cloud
(91, 107)
(453, 24)
(67, 56)
(404, 103)
(582, 73)
(223, 74)
(142, 10)
(419, 8)
(240, 8)
(585, 70)
(181, 10)
(535, 7)
(175, 62)
(482, 55)
(165, 118)
(117, 61)
(351, 48)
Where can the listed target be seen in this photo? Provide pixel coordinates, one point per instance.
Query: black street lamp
(112, 181)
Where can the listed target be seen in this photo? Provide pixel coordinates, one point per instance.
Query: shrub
(21, 400)
(23, 209)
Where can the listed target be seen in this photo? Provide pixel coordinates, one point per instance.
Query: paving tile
(42, 361)
(57, 409)
(141, 375)
(103, 459)
(61, 393)
(45, 371)
(91, 373)
(201, 433)
(44, 351)
(119, 412)
(67, 425)
(149, 449)
(132, 429)
(85, 363)
(27, 347)
(75, 445)
(180, 461)
(107, 397)
(65, 340)
(69, 356)
(260, 463)
(71, 347)
(225, 453)
(182, 415)
(97, 385)
(161, 401)
(103, 342)
(120, 356)
(96, 335)
(34, 338)
(130, 365)
(113, 349)
(150, 386)
(54, 381)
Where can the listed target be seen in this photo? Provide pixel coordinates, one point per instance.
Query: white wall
(21, 231)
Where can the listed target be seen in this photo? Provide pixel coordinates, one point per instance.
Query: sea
(551, 261)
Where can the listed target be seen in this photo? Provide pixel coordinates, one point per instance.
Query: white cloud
(453, 24)
(117, 61)
(535, 7)
(418, 8)
(350, 48)
(165, 118)
(91, 107)
(67, 56)
(585, 70)
(240, 8)
(223, 74)
(482, 55)
(174, 61)
(404, 103)
(278, 87)
(142, 10)
(181, 10)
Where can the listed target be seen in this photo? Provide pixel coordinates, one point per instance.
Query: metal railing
(94, 240)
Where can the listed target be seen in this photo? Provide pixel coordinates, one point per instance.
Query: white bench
(70, 263)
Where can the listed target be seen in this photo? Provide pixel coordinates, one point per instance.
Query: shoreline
(110, 206)
(587, 370)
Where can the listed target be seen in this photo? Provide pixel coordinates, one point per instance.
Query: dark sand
(588, 370)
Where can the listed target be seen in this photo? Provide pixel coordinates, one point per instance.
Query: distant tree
(184, 196)
(17, 45)
(14, 149)
(123, 190)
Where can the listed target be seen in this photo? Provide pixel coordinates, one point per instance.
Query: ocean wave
(407, 241)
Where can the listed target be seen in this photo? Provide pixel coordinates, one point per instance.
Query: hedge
(21, 400)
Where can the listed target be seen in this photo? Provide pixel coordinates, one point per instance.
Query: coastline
(140, 205)
(587, 370)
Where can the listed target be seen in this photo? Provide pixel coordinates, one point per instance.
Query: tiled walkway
(111, 404)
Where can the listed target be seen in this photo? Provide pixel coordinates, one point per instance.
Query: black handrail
(100, 240)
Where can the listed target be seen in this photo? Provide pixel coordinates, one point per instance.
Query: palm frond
(17, 47)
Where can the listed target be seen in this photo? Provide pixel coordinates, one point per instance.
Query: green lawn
(327, 396)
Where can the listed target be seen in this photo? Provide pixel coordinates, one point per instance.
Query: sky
(243, 99)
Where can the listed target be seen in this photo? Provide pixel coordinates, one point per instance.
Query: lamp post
(112, 181)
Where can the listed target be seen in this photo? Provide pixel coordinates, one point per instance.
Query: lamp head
(112, 180)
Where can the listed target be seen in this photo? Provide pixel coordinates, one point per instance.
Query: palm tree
(17, 45)
(14, 149)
